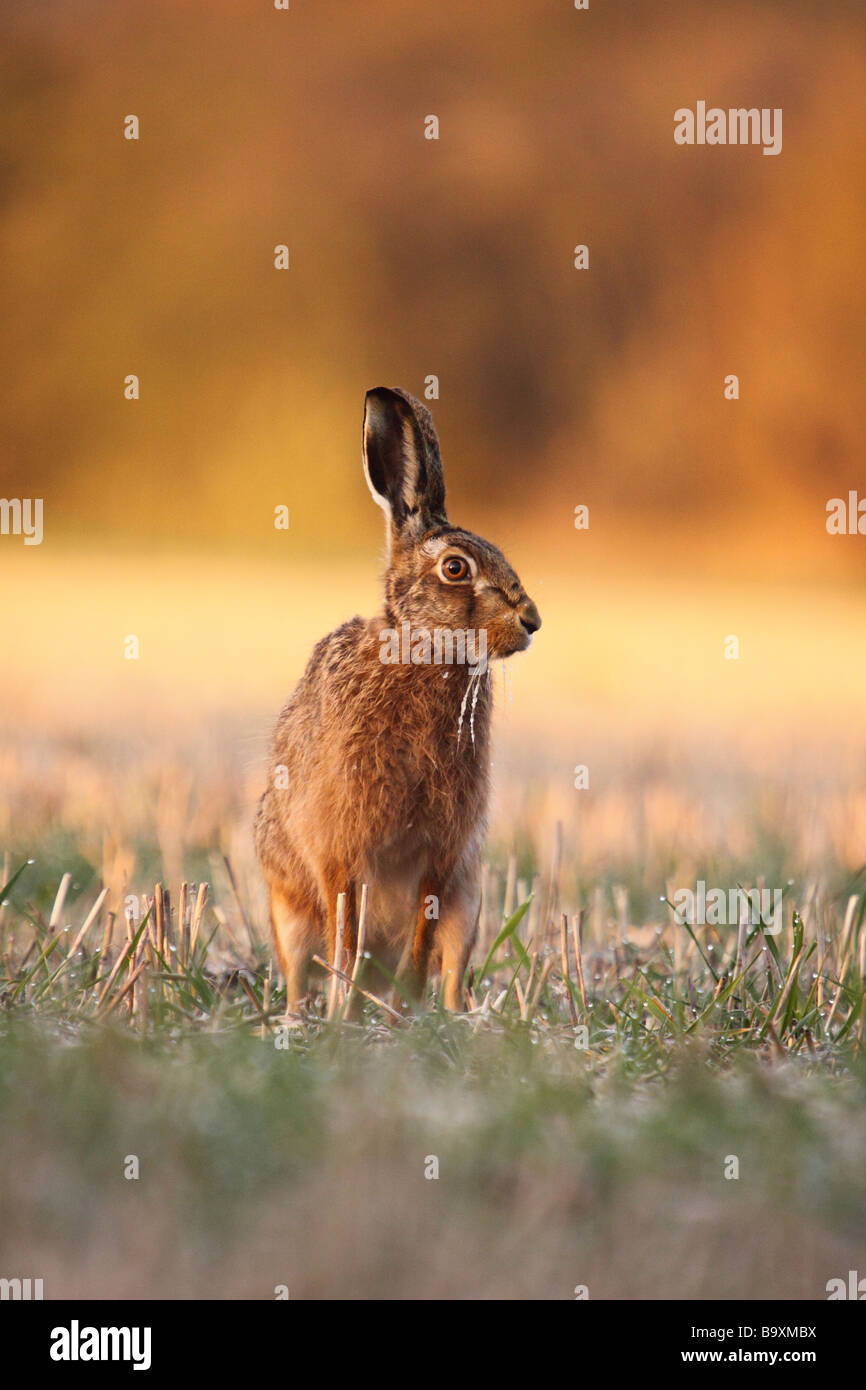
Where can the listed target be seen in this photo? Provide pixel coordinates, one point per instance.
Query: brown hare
(380, 760)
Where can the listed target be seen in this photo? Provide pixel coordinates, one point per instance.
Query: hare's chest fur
(390, 762)
(411, 747)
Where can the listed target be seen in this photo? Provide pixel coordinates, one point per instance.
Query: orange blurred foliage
(412, 257)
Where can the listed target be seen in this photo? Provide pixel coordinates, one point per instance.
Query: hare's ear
(401, 461)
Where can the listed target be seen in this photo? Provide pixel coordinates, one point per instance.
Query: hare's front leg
(413, 972)
(296, 934)
(456, 932)
(446, 926)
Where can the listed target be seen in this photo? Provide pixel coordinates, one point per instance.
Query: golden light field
(691, 758)
(229, 634)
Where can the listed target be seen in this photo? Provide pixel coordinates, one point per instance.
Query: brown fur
(387, 786)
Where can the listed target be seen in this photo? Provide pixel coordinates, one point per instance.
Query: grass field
(584, 1111)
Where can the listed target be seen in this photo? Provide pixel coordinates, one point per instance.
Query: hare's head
(438, 576)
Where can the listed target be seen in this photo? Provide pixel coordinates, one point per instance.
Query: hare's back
(330, 668)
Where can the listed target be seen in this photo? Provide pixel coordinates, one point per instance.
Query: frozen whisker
(476, 683)
(463, 709)
(473, 684)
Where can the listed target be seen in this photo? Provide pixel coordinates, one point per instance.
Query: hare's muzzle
(529, 616)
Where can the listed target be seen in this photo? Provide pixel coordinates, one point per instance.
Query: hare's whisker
(476, 683)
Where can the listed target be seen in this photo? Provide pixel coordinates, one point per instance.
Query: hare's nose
(529, 616)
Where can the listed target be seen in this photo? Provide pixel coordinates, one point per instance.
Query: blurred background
(557, 388)
(412, 258)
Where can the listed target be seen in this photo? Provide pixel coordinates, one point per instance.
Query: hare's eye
(456, 568)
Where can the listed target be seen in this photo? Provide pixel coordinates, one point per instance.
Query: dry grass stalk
(94, 911)
(198, 910)
(533, 963)
(821, 937)
(782, 998)
(121, 995)
(742, 929)
(70, 955)
(131, 952)
(521, 999)
(183, 924)
(115, 971)
(845, 952)
(251, 995)
(336, 991)
(159, 921)
(60, 899)
(170, 928)
(361, 944)
(150, 932)
(577, 941)
(566, 975)
(539, 989)
(266, 992)
(374, 999)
